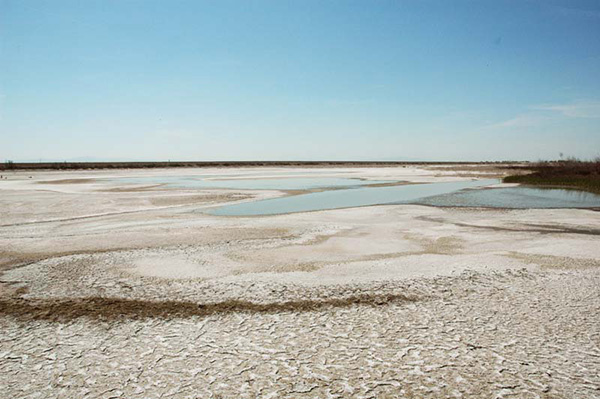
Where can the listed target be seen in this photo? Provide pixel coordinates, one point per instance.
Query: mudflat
(113, 289)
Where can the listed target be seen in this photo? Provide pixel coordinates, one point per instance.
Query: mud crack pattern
(513, 334)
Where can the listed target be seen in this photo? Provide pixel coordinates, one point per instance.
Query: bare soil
(107, 292)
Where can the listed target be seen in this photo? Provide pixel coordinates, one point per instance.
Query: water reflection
(516, 198)
(345, 198)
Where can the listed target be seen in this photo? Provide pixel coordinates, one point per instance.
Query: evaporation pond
(516, 198)
(346, 198)
(454, 194)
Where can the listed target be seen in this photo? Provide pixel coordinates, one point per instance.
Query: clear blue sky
(301, 80)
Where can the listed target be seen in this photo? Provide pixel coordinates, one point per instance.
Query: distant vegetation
(209, 164)
(568, 173)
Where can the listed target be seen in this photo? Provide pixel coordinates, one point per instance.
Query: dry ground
(131, 291)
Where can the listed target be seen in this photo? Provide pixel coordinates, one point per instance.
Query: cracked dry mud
(393, 301)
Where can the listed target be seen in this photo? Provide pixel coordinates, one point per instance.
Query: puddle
(516, 198)
(351, 192)
(348, 198)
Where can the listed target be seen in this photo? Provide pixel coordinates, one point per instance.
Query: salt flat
(131, 290)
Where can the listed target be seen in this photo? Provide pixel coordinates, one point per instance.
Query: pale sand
(388, 301)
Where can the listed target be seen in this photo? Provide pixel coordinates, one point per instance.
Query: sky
(299, 80)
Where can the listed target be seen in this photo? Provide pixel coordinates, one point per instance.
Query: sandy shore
(112, 290)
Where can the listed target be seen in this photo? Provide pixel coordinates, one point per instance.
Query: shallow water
(348, 198)
(351, 192)
(516, 198)
(219, 181)
(460, 194)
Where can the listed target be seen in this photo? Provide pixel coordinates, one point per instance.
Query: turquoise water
(345, 198)
(352, 193)
(291, 183)
(516, 198)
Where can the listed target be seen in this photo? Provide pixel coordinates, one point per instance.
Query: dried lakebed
(514, 334)
(120, 290)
